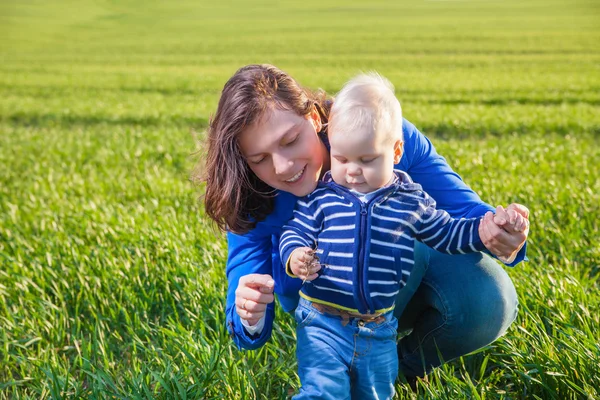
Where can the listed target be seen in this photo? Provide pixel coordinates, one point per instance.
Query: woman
(267, 145)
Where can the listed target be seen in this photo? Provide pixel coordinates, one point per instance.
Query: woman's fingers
(501, 216)
(252, 295)
(251, 306)
(523, 225)
(252, 311)
(518, 223)
(257, 281)
(497, 239)
(250, 316)
(485, 232)
(519, 208)
(494, 237)
(513, 216)
(266, 289)
(256, 287)
(258, 294)
(511, 224)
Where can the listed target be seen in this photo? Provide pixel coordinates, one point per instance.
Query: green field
(112, 280)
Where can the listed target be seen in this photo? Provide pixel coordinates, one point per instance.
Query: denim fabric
(356, 361)
(451, 306)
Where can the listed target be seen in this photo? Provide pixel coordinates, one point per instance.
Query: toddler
(351, 241)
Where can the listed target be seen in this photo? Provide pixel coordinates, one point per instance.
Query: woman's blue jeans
(452, 305)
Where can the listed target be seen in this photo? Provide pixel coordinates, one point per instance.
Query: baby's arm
(437, 229)
(299, 238)
(443, 233)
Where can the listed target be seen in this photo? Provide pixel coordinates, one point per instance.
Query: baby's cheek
(337, 174)
(374, 176)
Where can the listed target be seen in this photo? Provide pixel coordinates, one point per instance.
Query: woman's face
(284, 151)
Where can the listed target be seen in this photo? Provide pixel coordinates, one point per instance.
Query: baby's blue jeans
(353, 361)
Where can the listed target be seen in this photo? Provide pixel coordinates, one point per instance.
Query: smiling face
(363, 160)
(284, 151)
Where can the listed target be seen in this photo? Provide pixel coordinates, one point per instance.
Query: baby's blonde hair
(367, 100)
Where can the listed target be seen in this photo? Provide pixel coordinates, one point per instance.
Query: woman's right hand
(499, 233)
(253, 294)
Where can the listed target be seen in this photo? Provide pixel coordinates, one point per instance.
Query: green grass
(111, 279)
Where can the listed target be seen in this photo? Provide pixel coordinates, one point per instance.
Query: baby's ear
(398, 145)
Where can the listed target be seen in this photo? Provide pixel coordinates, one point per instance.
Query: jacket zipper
(361, 257)
(362, 296)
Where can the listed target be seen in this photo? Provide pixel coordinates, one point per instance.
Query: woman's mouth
(296, 177)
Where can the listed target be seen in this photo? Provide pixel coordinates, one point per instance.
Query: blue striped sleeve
(302, 230)
(440, 231)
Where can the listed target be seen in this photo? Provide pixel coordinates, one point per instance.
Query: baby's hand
(305, 264)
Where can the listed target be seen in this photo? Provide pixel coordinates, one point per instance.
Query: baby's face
(363, 160)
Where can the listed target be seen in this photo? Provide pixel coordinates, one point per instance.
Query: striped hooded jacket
(366, 249)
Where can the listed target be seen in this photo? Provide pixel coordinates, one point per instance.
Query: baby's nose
(354, 170)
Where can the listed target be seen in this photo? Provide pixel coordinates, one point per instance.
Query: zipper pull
(363, 209)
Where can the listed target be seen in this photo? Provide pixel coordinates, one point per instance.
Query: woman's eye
(292, 141)
(257, 161)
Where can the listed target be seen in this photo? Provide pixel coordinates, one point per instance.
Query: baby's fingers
(313, 272)
(516, 223)
(521, 224)
(302, 254)
(308, 255)
(298, 268)
(310, 272)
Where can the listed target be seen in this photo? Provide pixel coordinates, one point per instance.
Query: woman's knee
(488, 305)
(480, 300)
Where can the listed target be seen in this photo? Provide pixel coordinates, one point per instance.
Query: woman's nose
(281, 164)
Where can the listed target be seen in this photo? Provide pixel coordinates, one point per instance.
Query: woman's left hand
(498, 234)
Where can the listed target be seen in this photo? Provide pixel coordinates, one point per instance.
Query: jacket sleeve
(440, 231)
(426, 167)
(302, 230)
(248, 254)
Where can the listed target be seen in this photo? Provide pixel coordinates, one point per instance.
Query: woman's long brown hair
(234, 197)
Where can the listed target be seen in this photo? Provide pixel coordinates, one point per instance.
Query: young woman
(267, 145)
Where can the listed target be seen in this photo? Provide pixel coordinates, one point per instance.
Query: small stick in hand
(308, 264)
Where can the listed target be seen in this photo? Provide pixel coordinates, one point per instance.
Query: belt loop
(345, 319)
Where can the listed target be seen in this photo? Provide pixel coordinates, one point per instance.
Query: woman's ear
(315, 118)
(398, 145)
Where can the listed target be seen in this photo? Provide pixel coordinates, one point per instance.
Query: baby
(351, 240)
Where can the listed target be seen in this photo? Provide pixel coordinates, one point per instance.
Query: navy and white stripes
(342, 228)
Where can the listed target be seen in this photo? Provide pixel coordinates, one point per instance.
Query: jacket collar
(403, 182)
